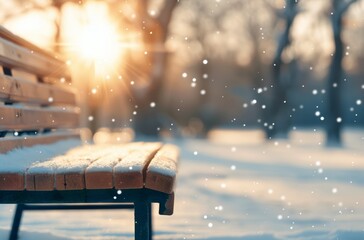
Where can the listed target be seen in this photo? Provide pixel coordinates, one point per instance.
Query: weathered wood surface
(13, 164)
(16, 56)
(121, 166)
(14, 90)
(99, 174)
(6, 34)
(162, 170)
(130, 171)
(13, 143)
(29, 118)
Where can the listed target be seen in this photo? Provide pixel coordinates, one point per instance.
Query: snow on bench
(123, 166)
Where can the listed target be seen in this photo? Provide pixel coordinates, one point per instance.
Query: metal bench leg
(150, 222)
(16, 222)
(142, 218)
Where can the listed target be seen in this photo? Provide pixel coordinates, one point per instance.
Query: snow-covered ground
(237, 186)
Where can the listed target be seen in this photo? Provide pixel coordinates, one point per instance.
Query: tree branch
(340, 8)
(165, 16)
(344, 6)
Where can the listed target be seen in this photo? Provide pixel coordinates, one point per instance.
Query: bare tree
(278, 117)
(334, 120)
(155, 32)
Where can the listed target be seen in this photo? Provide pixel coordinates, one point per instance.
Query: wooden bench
(42, 160)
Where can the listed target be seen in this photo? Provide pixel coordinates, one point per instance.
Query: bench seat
(113, 166)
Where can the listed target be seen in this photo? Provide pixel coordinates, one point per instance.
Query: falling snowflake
(219, 208)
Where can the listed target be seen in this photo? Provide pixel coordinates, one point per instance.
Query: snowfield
(237, 186)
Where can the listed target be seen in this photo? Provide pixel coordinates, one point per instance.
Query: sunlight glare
(99, 42)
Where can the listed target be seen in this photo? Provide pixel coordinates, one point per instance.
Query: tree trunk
(150, 118)
(278, 117)
(334, 125)
(334, 81)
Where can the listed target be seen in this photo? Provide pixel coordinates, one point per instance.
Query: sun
(98, 41)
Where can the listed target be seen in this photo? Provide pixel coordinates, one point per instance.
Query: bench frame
(141, 200)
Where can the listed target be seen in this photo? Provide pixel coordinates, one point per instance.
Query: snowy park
(235, 185)
(182, 119)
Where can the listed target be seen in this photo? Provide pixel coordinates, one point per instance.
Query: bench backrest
(37, 103)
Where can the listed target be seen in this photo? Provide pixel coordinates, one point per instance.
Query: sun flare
(99, 42)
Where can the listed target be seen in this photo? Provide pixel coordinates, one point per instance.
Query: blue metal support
(16, 222)
(139, 199)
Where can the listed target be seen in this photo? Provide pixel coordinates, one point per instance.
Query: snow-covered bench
(42, 160)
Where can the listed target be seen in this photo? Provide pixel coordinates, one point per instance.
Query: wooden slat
(10, 143)
(6, 34)
(162, 170)
(11, 181)
(64, 172)
(71, 175)
(15, 56)
(21, 119)
(99, 174)
(129, 173)
(12, 171)
(18, 90)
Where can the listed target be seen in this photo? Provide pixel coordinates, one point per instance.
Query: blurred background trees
(335, 75)
(185, 67)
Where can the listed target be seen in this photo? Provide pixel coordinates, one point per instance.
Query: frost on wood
(161, 172)
(165, 161)
(108, 162)
(136, 160)
(128, 173)
(19, 160)
(120, 166)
